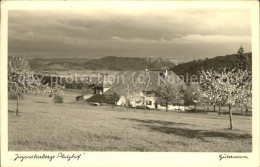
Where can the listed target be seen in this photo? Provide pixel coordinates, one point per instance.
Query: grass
(45, 126)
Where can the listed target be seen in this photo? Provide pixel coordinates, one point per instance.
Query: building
(139, 87)
(103, 84)
(98, 89)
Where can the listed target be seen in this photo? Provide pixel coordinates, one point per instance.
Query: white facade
(105, 89)
(121, 101)
(150, 101)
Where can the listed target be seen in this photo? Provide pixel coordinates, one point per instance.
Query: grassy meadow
(76, 126)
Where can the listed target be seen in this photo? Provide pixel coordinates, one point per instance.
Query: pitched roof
(138, 81)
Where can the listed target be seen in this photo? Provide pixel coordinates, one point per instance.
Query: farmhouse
(139, 87)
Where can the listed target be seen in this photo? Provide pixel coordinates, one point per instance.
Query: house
(103, 85)
(140, 99)
(139, 87)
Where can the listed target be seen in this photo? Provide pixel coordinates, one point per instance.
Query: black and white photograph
(151, 78)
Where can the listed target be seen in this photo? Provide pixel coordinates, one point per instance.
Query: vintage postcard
(129, 83)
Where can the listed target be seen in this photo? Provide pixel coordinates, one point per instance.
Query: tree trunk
(127, 98)
(242, 110)
(246, 111)
(214, 108)
(230, 116)
(219, 107)
(145, 106)
(166, 106)
(53, 99)
(195, 107)
(17, 104)
(207, 108)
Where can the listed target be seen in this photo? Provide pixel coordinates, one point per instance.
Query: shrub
(13, 96)
(58, 99)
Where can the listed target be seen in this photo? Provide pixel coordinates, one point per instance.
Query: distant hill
(57, 64)
(110, 63)
(215, 63)
(127, 63)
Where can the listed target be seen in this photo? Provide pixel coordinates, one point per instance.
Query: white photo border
(130, 158)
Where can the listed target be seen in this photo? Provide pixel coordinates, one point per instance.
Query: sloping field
(43, 125)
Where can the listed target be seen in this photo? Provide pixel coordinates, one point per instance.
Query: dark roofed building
(138, 81)
(142, 82)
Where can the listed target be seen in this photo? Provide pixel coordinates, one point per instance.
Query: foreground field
(43, 125)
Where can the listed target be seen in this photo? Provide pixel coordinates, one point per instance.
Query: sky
(172, 33)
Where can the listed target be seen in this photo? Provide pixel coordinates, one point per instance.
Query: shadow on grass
(39, 101)
(11, 111)
(196, 111)
(165, 123)
(192, 111)
(198, 134)
(188, 133)
(244, 114)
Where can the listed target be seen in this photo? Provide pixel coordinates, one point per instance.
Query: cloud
(126, 33)
(189, 39)
(217, 39)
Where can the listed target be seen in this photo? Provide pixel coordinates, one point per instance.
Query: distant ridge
(215, 63)
(111, 63)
